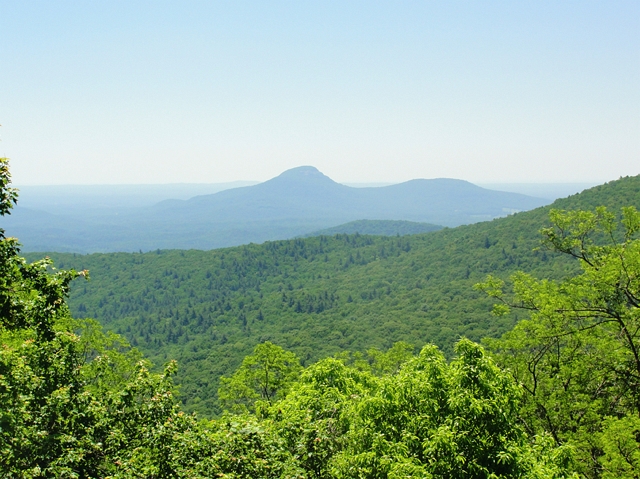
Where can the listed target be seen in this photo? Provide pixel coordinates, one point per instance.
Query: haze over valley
(298, 202)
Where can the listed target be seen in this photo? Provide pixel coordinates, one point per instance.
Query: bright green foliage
(429, 419)
(263, 376)
(315, 416)
(578, 357)
(108, 360)
(8, 196)
(71, 406)
(390, 361)
(233, 447)
(435, 419)
(621, 447)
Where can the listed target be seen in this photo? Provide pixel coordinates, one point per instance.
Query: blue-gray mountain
(297, 202)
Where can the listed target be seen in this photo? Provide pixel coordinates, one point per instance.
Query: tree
(578, 356)
(264, 375)
(8, 196)
(434, 419)
(390, 361)
(70, 405)
(315, 416)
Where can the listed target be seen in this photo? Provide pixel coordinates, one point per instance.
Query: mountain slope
(297, 202)
(317, 296)
(378, 227)
(304, 193)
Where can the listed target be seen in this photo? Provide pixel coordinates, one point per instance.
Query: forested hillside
(378, 227)
(317, 296)
(556, 397)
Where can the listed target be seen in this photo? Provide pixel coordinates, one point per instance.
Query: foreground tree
(439, 419)
(578, 356)
(264, 376)
(429, 419)
(72, 405)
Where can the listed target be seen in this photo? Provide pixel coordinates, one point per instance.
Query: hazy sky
(183, 91)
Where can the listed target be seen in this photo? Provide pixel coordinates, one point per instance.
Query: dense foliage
(578, 356)
(77, 402)
(73, 401)
(317, 296)
(378, 227)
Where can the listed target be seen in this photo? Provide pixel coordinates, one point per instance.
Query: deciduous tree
(578, 355)
(264, 375)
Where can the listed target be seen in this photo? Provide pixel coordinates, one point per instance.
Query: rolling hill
(378, 227)
(317, 296)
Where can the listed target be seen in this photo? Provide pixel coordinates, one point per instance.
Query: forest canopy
(556, 397)
(318, 296)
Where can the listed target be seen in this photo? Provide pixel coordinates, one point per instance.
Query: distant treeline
(378, 227)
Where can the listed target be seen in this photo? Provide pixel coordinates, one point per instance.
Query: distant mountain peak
(302, 172)
(301, 176)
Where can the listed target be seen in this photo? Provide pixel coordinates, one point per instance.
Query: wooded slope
(317, 296)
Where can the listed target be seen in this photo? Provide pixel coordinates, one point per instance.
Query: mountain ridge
(296, 202)
(309, 193)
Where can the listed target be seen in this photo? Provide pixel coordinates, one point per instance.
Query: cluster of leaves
(429, 418)
(578, 355)
(316, 296)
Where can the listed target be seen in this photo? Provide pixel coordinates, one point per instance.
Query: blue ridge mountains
(297, 202)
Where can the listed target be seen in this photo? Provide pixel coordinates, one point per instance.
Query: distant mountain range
(295, 203)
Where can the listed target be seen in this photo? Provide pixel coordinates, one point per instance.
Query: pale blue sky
(173, 92)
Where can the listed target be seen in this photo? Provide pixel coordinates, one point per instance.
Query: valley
(335, 355)
(317, 296)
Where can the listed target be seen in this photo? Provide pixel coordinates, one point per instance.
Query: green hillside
(316, 296)
(378, 227)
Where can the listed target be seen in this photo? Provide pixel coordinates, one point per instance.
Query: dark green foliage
(378, 227)
(317, 296)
